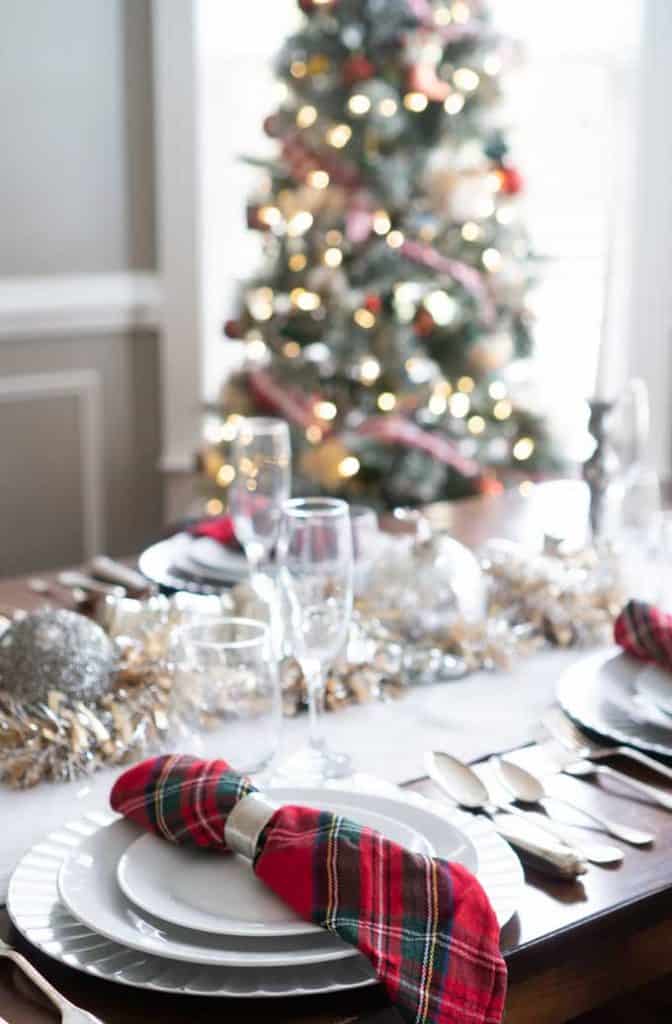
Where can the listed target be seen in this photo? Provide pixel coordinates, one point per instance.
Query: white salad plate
(655, 685)
(39, 914)
(221, 895)
(87, 886)
(214, 559)
(600, 693)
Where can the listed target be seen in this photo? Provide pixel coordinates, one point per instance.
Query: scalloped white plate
(37, 912)
(599, 692)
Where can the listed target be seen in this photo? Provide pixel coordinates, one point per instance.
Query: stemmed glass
(262, 460)
(315, 557)
(365, 545)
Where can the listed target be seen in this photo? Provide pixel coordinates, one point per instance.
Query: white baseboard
(77, 304)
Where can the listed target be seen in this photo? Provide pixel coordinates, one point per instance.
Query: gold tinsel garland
(533, 600)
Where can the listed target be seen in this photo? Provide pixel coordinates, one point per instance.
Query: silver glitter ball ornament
(56, 650)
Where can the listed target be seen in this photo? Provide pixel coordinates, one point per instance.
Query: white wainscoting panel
(85, 386)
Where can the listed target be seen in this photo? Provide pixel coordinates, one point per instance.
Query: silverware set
(70, 1014)
(523, 811)
(104, 578)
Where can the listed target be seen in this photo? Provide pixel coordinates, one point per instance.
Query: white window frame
(189, 257)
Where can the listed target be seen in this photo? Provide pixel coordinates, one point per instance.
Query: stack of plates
(104, 897)
(622, 699)
(198, 564)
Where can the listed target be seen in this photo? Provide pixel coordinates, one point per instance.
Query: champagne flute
(262, 461)
(315, 556)
(365, 545)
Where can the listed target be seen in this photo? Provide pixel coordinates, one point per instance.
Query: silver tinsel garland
(426, 615)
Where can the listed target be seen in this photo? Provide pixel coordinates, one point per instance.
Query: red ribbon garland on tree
(296, 407)
(301, 159)
(470, 279)
(397, 430)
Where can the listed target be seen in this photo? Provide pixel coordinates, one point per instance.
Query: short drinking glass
(227, 676)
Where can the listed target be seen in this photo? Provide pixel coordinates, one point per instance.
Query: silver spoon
(582, 769)
(463, 786)
(520, 784)
(529, 789)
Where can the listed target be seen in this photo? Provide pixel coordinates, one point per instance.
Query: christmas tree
(390, 314)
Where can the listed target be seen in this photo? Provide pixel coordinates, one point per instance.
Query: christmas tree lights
(393, 298)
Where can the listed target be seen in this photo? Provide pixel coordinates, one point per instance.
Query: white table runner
(475, 716)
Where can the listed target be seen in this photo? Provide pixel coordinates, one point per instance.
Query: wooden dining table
(598, 949)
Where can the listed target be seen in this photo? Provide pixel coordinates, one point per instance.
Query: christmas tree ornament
(313, 6)
(424, 50)
(357, 69)
(424, 323)
(55, 650)
(491, 353)
(324, 463)
(511, 180)
(449, 585)
(273, 126)
(232, 329)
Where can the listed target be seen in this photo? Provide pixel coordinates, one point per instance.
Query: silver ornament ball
(56, 650)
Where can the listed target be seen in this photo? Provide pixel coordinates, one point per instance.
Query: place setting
(287, 873)
(103, 896)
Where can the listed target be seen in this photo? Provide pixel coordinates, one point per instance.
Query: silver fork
(70, 1014)
(564, 730)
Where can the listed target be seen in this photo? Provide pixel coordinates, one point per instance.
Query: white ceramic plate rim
(35, 910)
(176, 913)
(111, 916)
(37, 913)
(655, 683)
(574, 679)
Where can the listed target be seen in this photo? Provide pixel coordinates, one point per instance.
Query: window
(571, 109)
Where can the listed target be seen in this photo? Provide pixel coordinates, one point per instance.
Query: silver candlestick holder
(602, 470)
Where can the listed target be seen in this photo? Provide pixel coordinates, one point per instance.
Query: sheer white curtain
(236, 92)
(571, 109)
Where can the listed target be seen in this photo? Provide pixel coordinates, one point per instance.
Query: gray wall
(76, 197)
(76, 168)
(42, 475)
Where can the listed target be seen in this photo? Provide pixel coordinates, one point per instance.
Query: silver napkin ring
(246, 822)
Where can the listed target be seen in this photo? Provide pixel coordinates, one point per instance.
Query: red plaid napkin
(425, 924)
(645, 632)
(220, 528)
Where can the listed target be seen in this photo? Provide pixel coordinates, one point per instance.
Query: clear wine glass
(365, 545)
(262, 460)
(315, 558)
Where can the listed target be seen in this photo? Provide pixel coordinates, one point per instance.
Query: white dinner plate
(216, 560)
(39, 915)
(88, 887)
(655, 684)
(599, 692)
(221, 895)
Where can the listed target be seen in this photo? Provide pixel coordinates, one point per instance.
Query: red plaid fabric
(645, 632)
(425, 924)
(219, 528)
